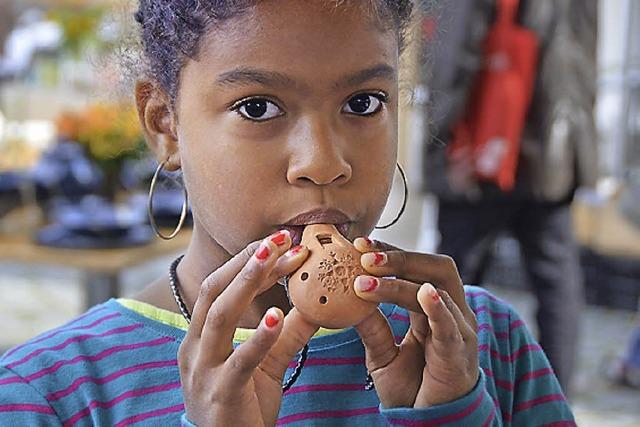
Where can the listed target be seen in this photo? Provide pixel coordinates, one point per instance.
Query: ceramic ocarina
(322, 289)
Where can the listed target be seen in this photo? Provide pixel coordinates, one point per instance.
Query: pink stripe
(516, 324)
(400, 317)
(326, 414)
(152, 414)
(325, 387)
(79, 381)
(535, 374)
(66, 328)
(501, 335)
(506, 385)
(42, 409)
(512, 357)
(539, 401)
(97, 357)
(488, 327)
(78, 338)
(124, 396)
(15, 379)
(332, 361)
(496, 314)
(489, 419)
(442, 420)
(484, 294)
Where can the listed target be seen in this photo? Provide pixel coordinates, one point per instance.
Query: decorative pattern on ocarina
(322, 289)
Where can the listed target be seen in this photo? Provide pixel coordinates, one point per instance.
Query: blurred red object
(492, 124)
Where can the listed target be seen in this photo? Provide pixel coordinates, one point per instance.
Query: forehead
(311, 37)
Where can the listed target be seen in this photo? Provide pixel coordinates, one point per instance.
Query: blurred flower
(80, 21)
(110, 133)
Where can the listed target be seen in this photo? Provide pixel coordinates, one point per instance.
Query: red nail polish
(368, 241)
(435, 296)
(271, 320)
(370, 284)
(279, 238)
(263, 253)
(295, 251)
(380, 258)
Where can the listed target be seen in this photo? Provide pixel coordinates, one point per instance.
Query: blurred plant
(80, 21)
(110, 133)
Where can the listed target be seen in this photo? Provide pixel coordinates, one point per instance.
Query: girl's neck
(203, 256)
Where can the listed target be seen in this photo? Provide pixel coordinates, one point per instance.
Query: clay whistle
(322, 288)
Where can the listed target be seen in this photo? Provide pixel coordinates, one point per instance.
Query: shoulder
(104, 335)
(481, 301)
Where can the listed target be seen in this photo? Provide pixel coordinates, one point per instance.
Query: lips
(336, 217)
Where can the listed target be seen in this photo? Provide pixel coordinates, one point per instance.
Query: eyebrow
(379, 71)
(247, 75)
(242, 76)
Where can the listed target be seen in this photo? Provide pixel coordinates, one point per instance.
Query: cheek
(226, 193)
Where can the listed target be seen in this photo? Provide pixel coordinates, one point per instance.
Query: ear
(158, 123)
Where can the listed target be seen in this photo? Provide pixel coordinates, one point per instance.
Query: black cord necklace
(175, 289)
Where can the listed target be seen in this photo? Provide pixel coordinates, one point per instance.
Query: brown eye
(364, 104)
(258, 109)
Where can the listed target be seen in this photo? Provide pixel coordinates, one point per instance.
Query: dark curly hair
(171, 30)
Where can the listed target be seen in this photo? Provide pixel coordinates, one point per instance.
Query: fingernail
(368, 241)
(294, 251)
(280, 237)
(263, 252)
(271, 319)
(380, 258)
(435, 296)
(375, 259)
(366, 283)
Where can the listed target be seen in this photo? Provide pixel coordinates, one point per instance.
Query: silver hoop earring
(183, 214)
(404, 201)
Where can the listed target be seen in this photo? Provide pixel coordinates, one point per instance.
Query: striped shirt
(116, 365)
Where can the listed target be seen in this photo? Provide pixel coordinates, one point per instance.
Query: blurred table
(602, 228)
(101, 268)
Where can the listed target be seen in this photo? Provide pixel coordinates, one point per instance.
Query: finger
(440, 270)
(214, 284)
(381, 289)
(248, 355)
(295, 335)
(365, 244)
(444, 329)
(419, 328)
(379, 343)
(467, 328)
(287, 264)
(225, 312)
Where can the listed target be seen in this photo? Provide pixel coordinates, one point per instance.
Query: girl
(281, 114)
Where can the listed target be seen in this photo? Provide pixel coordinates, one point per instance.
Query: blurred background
(74, 177)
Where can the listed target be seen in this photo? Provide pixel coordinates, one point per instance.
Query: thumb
(377, 337)
(296, 333)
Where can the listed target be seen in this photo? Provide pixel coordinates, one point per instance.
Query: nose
(317, 156)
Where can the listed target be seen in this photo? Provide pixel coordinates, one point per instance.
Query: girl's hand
(437, 361)
(241, 387)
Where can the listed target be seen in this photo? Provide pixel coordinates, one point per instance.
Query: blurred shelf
(21, 248)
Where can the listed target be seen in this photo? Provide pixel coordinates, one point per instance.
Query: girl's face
(289, 108)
